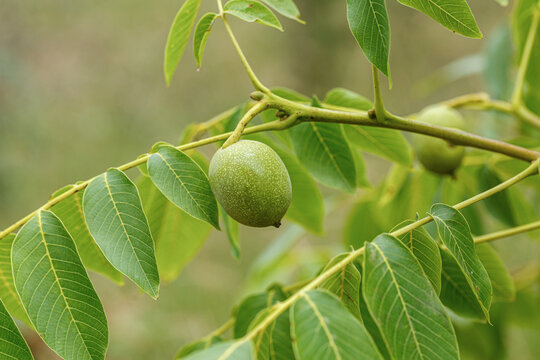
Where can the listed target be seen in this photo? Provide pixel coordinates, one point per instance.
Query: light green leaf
(70, 211)
(368, 21)
(286, 8)
(325, 329)
(178, 236)
(455, 15)
(202, 31)
(502, 2)
(347, 98)
(12, 344)
(499, 59)
(426, 251)
(456, 236)
(56, 291)
(324, 151)
(8, 294)
(233, 232)
(345, 284)
(179, 35)
(227, 350)
(361, 177)
(404, 304)
(501, 281)
(290, 94)
(198, 345)
(113, 211)
(252, 11)
(184, 183)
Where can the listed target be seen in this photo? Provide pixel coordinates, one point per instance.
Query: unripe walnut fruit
(437, 155)
(251, 183)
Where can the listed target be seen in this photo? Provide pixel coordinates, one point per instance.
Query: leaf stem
(380, 112)
(507, 232)
(248, 116)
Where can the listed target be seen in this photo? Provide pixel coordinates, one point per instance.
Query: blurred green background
(82, 89)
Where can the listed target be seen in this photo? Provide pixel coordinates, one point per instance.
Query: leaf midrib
(323, 325)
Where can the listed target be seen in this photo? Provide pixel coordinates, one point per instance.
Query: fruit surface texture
(251, 183)
(438, 155)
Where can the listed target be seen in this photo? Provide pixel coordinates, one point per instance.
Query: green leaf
(290, 94)
(198, 345)
(274, 342)
(404, 304)
(179, 35)
(456, 236)
(286, 8)
(12, 344)
(363, 224)
(347, 98)
(227, 350)
(115, 217)
(499, 60)
(252, 11)
(361, 177)
(323, 149)
(501, 281)
(202, 31)
(56, 291)
(368, 21)
(70, 211)
(184, 183)
(456, 293)
(325, 329)
(455, 15)
(233, 233)
(8, 294)
(426, 251)
(498, 204)
(502, 2)
(251, 306)
(345, 284)
(178, 236)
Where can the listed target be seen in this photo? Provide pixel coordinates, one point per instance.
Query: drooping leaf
(286, 8)
(345, 284)
(202, 32)
(252, 11)
(455, 15)
(232, 230)
(323, 149)
(184, 183)
(325, 329)
(178, 236)
(70, 211)
(8, 294)
(56, 291)
(12, 344)
(198, 345)
(456, 236)
(501, 281)
(116, 220)
(404, 304)
(227, 350)
(426, 251)
(368, 21)
(179, 35)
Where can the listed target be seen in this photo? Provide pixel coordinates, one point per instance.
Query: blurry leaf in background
(252, 11)
(232, 230)
(498, 204)
(499, 62)
(202, 32)
(361, 172)
(502, 2)
(362, 224)
(227, 350)
(12, 344)
(501, 281)
(178, 236)
(197, 346)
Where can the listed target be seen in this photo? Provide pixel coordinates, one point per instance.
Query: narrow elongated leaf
(501, 281)
(285, 7)
(8, 294)
(499, 60)
(345, 284)
(12, 344)
(56, 291)
(325, 152)
(202, 32)
(179, 35)
(456, 236)
(227, 350)
(177, 235)
(455, 15)
(360, 165)
(425, 249)
(404, 304)
(184, 183)
(113, 211)
(252, 11)
(368, 21)
(70, 211)
(325, 329)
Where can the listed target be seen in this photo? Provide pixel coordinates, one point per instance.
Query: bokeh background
(82, 89)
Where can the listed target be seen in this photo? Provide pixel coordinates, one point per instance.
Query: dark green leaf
(325, 329)
(179, 35)
(251, 306)
(56, 291)
(386, 143)
(12, 344)
(202, 31)
(184, 183)
(498, 204)
(286, 8)
(456, 236)
(252, 11)
(116, 220)
(274, 342)
(501, 281)
(404, 304)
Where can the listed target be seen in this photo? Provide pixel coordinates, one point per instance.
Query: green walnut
(437, 155)
(251, 183)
